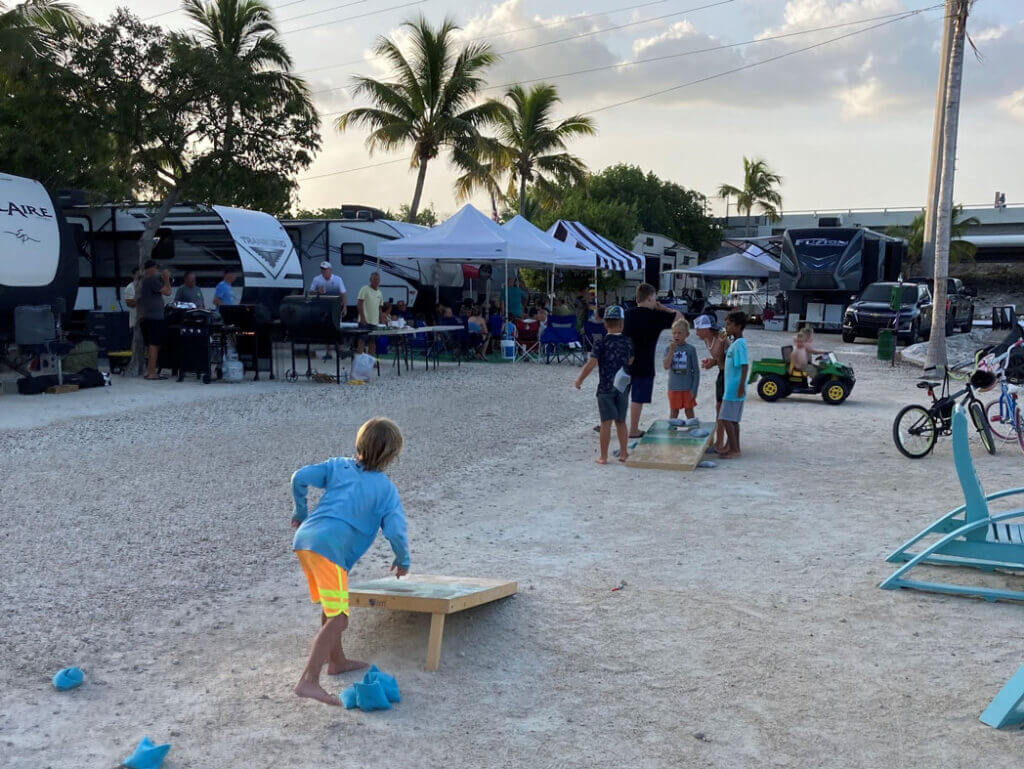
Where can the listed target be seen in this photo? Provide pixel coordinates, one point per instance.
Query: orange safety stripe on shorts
(328, 582)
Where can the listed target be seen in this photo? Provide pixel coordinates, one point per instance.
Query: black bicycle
(916, 428)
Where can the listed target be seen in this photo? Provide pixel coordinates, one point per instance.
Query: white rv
(204, 239)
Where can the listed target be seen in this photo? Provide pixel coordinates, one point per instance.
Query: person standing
(714, 339)
(329, 284)
(223, 296)
(515, 299)
(190, 292)
(737, 366)
(644, 324)
(128, 294)
(368, 304)
(152, 290)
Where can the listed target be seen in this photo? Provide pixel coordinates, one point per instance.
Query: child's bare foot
(623, 456)
(344, 666)
(601, 460)
(315, 692)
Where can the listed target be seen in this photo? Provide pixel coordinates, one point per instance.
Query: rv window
(352, 254)
(649, 242)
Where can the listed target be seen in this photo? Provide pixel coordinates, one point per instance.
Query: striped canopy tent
(609, 255)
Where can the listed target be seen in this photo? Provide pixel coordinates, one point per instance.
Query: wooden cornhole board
(430, 594)
(664, 447)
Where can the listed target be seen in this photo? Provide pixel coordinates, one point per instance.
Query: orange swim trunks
(328, 582)
(681, 399)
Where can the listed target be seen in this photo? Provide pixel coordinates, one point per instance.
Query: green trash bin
(886, 344)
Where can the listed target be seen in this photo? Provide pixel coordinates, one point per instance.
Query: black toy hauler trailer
(823, 269)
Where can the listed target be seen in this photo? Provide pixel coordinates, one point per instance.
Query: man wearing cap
(644, 324)
(326, 284)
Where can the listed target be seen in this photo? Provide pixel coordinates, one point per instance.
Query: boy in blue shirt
(358, 500)
(611, 352)
(737, 365)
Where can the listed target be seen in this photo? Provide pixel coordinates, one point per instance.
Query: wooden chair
(970, 535)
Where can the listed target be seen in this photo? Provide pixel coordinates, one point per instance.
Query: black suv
(872, 311)
(959, 304)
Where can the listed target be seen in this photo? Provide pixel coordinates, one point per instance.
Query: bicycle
(916, 428)
(1005, 414)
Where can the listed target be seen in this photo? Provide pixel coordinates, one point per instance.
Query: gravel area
(147, 541)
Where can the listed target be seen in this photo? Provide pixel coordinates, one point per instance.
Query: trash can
(886, 345)
(508, 349)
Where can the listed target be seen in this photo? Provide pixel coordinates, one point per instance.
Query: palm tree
(29, 29)
(531, 147)
(430, 101)
(959, 249)
(759, 183)
(251, 66)
(483, 163)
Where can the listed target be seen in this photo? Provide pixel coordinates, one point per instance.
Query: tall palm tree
(28, 30)
(483, 163)
(430, 102)
(531, 146)
(251, 66)
(960, 250)
(759, 183)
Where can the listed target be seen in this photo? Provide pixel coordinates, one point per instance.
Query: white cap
(703, 321)
(325, 265)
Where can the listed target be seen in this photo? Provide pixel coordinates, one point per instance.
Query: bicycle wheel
(913, 431)
(981, 425)
(1001, 423)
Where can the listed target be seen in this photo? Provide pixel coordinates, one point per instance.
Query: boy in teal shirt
(358, 500)
(736, 367)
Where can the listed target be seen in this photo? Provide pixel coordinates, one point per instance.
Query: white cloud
(1014, 104)
(988, 33)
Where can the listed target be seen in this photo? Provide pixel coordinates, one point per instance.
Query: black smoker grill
(254, 337)
(316, 320)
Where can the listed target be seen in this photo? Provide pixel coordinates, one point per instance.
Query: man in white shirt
(128, 295)
(368, 304)
(326, 284)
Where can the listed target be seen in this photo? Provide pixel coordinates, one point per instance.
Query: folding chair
(592, 330)
(527, 343)
(561, 341)
(971, 535)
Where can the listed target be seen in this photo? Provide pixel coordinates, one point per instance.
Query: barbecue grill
(309, 320)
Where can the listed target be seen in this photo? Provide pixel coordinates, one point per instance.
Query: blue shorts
(642, 389)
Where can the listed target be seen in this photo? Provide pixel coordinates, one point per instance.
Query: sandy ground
(146, 539)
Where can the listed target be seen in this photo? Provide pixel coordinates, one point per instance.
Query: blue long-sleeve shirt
(355, 504)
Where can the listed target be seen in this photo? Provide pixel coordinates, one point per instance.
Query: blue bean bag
(376, 691)
(147, 755)
(68, 678)
(388, 682)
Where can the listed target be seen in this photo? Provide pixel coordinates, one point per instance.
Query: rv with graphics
(38, 256)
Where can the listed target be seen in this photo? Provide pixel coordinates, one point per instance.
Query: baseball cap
(614, 313)
(703, 321)
(325, 265)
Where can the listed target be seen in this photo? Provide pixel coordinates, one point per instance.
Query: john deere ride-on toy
(832, 380)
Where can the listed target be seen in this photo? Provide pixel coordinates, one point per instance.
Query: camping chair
(37, 331)
(592, 331)
(971, 535)
(561, 340)
(527, 343)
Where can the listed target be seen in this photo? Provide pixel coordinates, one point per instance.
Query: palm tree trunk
(747, 226)
(928, 241)
(420, 177)
(522, 195)
(944, 215)
(146, 243)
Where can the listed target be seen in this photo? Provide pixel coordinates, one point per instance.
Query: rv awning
(468, 236)
(732, 266)
(609, 255)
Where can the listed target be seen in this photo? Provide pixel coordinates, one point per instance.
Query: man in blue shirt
(223, 295)
(737, 365)
(514, 299)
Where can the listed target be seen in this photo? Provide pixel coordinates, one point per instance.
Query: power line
(324, 10)
(591, 33)
(351, 18)
(369, 59)
(752, 65)
(175, 10)
(696, 51)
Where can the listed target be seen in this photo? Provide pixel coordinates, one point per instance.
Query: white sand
(751, 613)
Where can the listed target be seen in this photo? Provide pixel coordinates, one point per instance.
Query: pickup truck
(872, 311)
(959, 304)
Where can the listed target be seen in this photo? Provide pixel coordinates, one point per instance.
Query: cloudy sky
(847, 124)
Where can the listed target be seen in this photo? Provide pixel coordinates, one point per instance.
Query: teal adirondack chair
(970, 535)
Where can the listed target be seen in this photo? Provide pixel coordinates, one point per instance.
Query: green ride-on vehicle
(832, 380)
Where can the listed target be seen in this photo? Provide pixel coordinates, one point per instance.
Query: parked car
(872, 311)
(959, 304)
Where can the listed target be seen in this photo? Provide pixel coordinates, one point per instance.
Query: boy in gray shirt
(684, 373)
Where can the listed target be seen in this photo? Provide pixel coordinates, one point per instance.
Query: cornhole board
(429, 594)
(1007, 709)
(664, 447)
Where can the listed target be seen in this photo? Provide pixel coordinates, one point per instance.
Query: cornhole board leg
(1007, 709)
(434, 642)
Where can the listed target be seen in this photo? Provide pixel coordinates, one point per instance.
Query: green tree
(531, 146)
(959, 250)
(759, 183)
(430, 103)
(34, 30)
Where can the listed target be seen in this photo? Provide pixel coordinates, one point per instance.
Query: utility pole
(944, 214)
(932, 198)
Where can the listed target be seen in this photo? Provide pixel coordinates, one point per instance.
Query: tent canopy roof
(732, 266)
(562, 255)
(609, 255)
